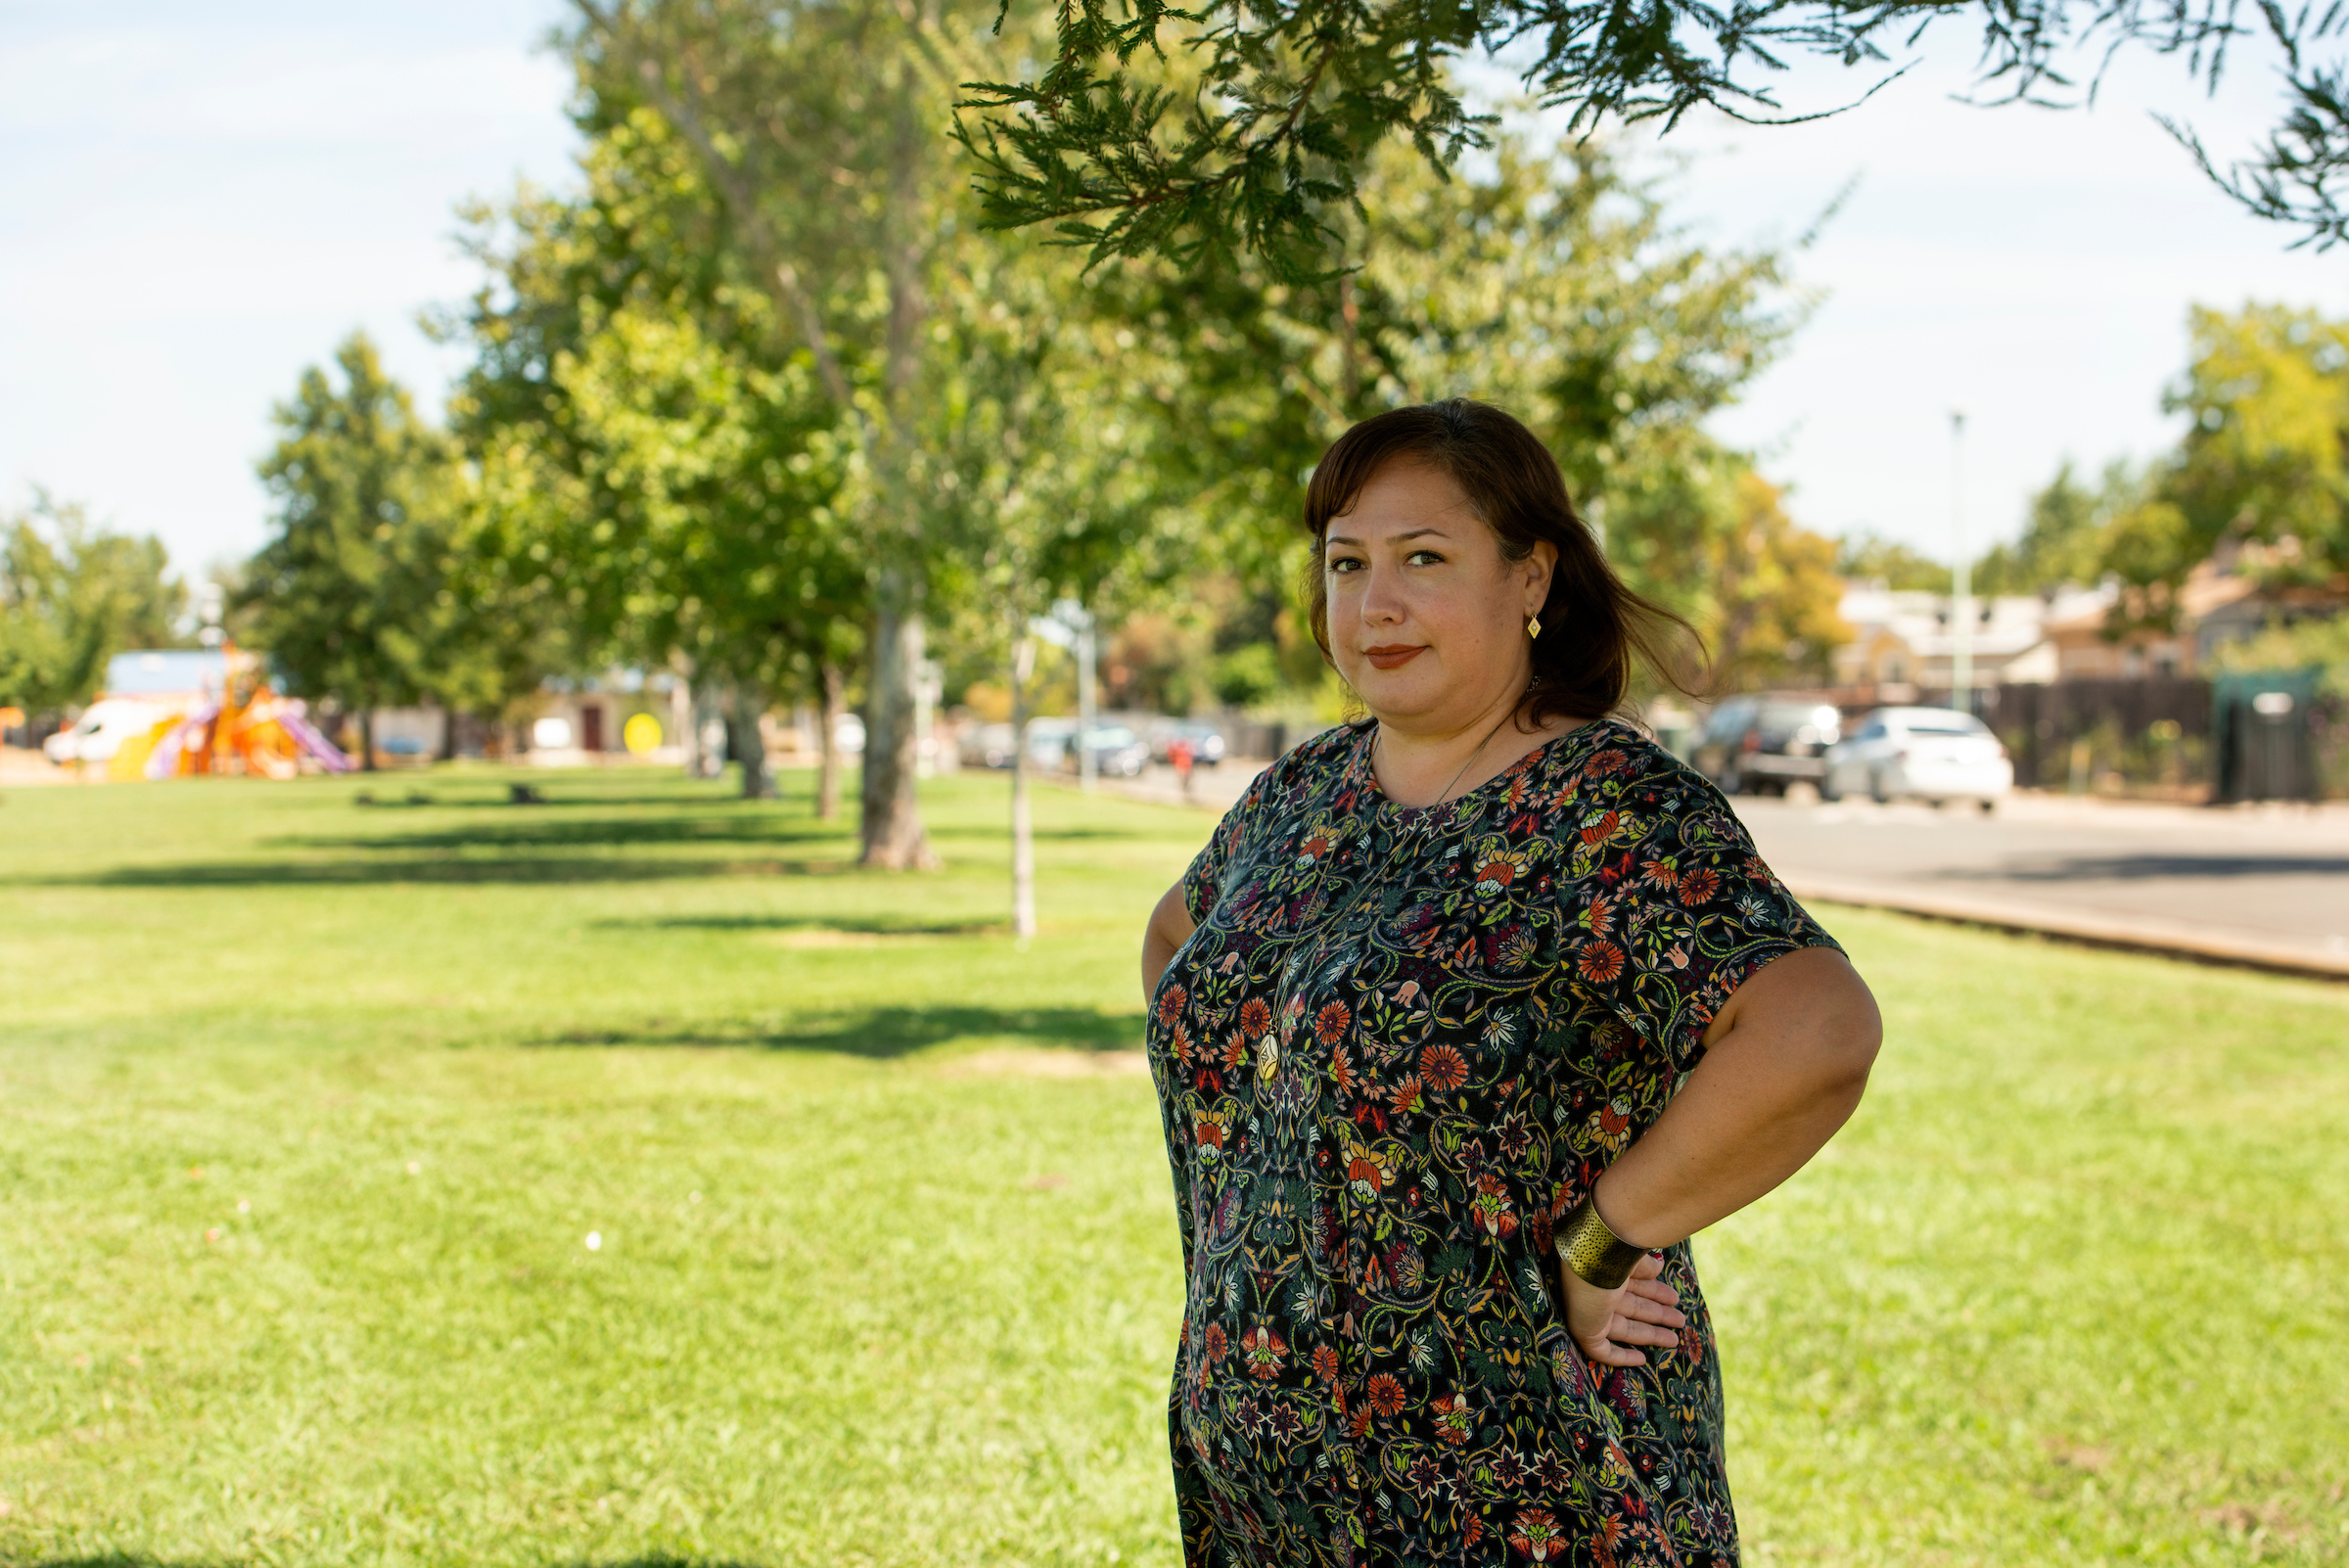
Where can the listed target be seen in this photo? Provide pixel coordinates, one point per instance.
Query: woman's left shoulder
(1619, 766)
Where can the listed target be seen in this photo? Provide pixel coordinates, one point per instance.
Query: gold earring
(1533, 626)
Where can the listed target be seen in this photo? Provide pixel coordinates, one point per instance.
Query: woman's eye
(1424, 558)
(1345, 563)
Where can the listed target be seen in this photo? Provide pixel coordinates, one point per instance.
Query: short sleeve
(1203, 883)
(1689, 915)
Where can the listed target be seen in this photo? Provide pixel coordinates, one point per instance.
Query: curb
(2080, 928)
(2063, 925)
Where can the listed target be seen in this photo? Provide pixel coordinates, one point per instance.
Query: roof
(2014, 625)
(152, 671)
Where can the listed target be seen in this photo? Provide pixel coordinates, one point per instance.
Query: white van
(101, 731)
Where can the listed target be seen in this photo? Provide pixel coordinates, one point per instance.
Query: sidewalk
(19, 767)
(2257, 887)
(2140, 934)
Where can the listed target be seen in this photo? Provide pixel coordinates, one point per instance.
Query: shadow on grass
(448, 869)
(122, 1560)
(2139, 867)
(563, 796)
(527, 833)
(885, 1032)
(848, 925)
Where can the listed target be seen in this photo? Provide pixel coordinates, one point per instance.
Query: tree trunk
(367, 739)
(708, 705)
(747, 743)
(1023, 823)
(681, 719)
(827, 742)
(892, 830)
(448, 734)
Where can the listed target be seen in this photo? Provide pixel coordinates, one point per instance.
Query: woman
(1467, 1017)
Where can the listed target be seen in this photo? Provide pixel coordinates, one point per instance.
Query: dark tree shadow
(885, 1032)
(133, 1560)
(2147, 867)
(852, 925)
(449, 869)
(525, 832)
(558, 798)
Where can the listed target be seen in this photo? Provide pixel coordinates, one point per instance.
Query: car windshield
(1943, 724)
(1794, 716)
(1730, 719)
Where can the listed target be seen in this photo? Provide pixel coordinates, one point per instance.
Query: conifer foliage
(1245, 124)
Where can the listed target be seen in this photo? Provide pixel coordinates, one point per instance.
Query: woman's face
(1426, 619)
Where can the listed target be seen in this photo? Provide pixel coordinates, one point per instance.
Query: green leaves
(1249, 140)
(346, 596)
(71, 596)
(1245, 127)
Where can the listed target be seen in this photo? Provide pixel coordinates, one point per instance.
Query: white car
(1928, 753)
(101, 731)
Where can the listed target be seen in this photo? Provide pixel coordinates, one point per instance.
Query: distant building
(1903, 643)
(167, 672)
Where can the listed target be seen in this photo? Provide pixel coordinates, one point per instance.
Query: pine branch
(1292, 95)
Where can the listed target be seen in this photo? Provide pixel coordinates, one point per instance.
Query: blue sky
(196, 202)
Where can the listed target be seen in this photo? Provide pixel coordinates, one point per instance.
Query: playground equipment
(247, 728)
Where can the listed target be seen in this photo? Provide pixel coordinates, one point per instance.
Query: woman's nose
(1381, 603)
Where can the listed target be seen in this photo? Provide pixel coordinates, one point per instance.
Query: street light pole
(1087, 715)
(1961, 577)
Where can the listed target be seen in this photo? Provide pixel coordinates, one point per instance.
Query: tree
(2063, 534)
(71, 596)
(347, 596)
(1253, 131)
(1771, 597)
(821, 129)
(1040, 494)
(1551, 285)
(661, 448)
(2319, 641)
(2261, 470)
(1867, 557)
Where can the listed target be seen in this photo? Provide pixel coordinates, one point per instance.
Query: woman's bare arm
(1785, 1063)
(1170, 926)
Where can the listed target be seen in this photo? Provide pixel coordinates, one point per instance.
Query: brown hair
(1592, 624)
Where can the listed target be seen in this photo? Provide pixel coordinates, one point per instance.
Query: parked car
(1117, 752)
(1756, 745)
(1207, 741)
(1048, 742)
(101, 731)
(986, 746)
(1928, 753)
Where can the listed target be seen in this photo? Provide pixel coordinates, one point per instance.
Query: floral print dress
(1396, 1051)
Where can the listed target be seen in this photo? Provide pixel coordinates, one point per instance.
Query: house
(1905, 643)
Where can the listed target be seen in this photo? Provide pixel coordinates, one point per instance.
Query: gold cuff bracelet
(1597, 1255)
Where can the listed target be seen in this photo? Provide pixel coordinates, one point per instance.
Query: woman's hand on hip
(1608, 1326)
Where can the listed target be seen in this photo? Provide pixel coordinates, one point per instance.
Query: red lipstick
(1394, 656)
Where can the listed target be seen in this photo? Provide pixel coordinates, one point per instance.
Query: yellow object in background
(129, 762)
(640, 734)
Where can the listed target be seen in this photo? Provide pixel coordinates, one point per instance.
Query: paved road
(2275, 876)
(2272, 878)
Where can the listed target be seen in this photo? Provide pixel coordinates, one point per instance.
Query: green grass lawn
(308, 1109)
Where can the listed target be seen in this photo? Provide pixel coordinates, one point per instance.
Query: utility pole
(1961, 577)
(1022, 822)
(1088, 765)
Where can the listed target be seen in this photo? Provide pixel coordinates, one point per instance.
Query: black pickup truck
(1761, 744)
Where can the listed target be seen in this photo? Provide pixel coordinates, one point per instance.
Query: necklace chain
(1444, 793)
